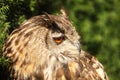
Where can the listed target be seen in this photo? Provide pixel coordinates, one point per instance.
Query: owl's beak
(78, 46)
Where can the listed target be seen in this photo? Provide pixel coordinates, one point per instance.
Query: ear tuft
(64, 12)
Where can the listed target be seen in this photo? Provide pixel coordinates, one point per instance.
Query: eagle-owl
(47, 47)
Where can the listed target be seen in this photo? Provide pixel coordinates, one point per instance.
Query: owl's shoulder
(91, 68)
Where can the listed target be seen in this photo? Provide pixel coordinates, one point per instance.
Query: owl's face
(62, 39)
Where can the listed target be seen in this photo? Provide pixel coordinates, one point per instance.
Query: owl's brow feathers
(51, 24)
(58, 22)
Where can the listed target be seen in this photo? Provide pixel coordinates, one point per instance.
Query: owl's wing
(91, 68)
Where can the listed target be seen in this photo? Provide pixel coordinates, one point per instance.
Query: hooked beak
(78, 46)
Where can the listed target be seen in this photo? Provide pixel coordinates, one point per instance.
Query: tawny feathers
(47, 47)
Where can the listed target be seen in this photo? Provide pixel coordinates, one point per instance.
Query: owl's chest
(69, 70)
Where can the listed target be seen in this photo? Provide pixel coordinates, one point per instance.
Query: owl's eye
(59, 40)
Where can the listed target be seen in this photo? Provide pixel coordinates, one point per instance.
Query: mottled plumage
(46, 47)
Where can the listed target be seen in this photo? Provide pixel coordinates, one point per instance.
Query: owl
(47, 47)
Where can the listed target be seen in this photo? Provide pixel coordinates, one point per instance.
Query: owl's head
(44, 35)
(62, 38)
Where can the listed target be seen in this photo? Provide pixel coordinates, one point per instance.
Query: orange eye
(58, 40)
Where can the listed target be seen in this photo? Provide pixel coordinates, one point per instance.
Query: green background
(97, 22)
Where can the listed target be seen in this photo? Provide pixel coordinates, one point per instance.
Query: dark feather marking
(66, 72)
(46, 40)
(13, 54)
(8, 43)
(39, 76)
(17, 41)
(28, 34)
(9, 50)
(25, 62)
(21, 50)
(15, 59)
(15, 31)
(25, 44)
(52, 24)
(59, 73)
(21, 33)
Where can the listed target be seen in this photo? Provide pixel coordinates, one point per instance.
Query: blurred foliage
(97, 21)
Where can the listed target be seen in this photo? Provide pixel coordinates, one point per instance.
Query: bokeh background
(97, 21)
